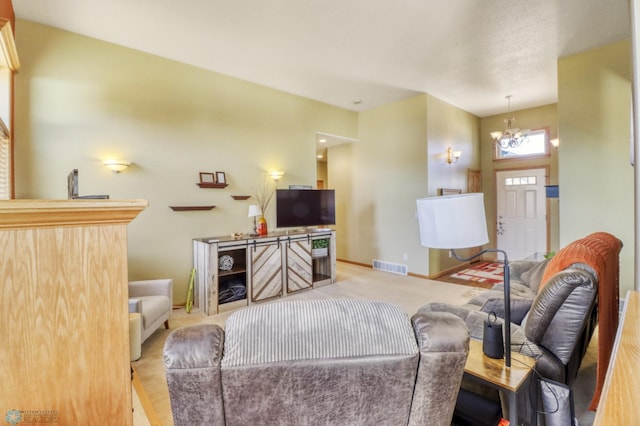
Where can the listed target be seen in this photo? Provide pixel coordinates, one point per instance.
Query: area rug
(482, 272)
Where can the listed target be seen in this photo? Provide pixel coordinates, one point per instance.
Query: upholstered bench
(334, 361)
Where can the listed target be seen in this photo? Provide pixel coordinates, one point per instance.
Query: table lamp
(254, 211)
(459, 221)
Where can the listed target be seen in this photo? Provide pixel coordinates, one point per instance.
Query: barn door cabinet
(235, 272)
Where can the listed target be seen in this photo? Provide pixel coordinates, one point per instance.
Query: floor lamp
(456, 222)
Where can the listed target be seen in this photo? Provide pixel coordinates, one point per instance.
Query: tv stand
(235, 272)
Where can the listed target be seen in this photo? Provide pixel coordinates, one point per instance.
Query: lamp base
(492, 342)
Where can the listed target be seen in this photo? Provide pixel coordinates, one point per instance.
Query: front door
(521, 224)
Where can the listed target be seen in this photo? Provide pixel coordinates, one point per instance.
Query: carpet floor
(352, 282)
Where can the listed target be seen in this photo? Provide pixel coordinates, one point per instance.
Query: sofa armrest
(192, 357)
(443, 341)
(160, 287)
(135, 305)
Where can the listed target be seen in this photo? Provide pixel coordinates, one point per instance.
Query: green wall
(595, 176)
(532, 118)
(80, 101)
(400, 157)
(378, 179)
(448, 126)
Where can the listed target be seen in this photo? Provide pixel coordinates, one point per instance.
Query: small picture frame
(220, 177)
(207, 178)
(449, 191)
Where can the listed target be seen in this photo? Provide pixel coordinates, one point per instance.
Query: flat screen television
(305, 207)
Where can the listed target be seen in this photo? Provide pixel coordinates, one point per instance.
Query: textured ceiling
(470, 53)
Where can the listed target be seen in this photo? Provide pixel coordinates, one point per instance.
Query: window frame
(546, 153)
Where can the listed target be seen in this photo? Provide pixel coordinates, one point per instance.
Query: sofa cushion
(534, 275)
(519, 308)
(475, 323)
(153, 307)
(316, 329)
(517, 288)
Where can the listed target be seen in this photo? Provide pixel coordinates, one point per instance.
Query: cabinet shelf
(190, 208)
(212, 185)
(231, 272)
(321, 277)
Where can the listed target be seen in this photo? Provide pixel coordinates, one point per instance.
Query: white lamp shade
(453, 221)
(254, 210)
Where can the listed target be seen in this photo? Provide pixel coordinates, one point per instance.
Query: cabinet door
(299, 268)
(266, 271)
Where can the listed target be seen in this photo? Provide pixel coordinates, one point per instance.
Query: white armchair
(153, 300)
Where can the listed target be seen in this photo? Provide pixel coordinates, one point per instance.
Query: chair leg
(166, 324)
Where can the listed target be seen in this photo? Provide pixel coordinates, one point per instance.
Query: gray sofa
(555, 307)
(554, 325)
(319, 362)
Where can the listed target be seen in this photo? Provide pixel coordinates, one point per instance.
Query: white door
(521, 224)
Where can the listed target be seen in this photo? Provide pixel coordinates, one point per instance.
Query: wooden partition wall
(64, 322)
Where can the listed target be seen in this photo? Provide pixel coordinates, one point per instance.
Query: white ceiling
(470, 53)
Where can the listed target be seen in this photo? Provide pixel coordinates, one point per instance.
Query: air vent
(394, 268)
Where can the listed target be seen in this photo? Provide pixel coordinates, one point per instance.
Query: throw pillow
(534, 275)
(519, 308)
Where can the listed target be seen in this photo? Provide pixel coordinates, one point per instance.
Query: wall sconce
(555, 142)
(116, 166)
(276, 174)
(453, 156)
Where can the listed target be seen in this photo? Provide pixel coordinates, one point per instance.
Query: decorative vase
(262, 226)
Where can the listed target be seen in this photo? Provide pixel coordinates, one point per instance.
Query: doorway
(521, 213)
(325, 141)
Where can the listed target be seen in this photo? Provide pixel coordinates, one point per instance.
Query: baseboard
(366, 265)
(147, 406)
(413, 274)
(435, 276)
(449, 271)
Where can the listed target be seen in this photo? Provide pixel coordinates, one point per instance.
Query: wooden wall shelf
(190, 208)
(212, 185)
(241, 197)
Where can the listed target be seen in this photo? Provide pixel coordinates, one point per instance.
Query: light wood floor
(352, 282)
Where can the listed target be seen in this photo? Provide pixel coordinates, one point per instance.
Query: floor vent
(394, 268)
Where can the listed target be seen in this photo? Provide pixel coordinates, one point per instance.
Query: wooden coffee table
(492, 372)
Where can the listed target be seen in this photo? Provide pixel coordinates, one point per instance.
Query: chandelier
(510, 137)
